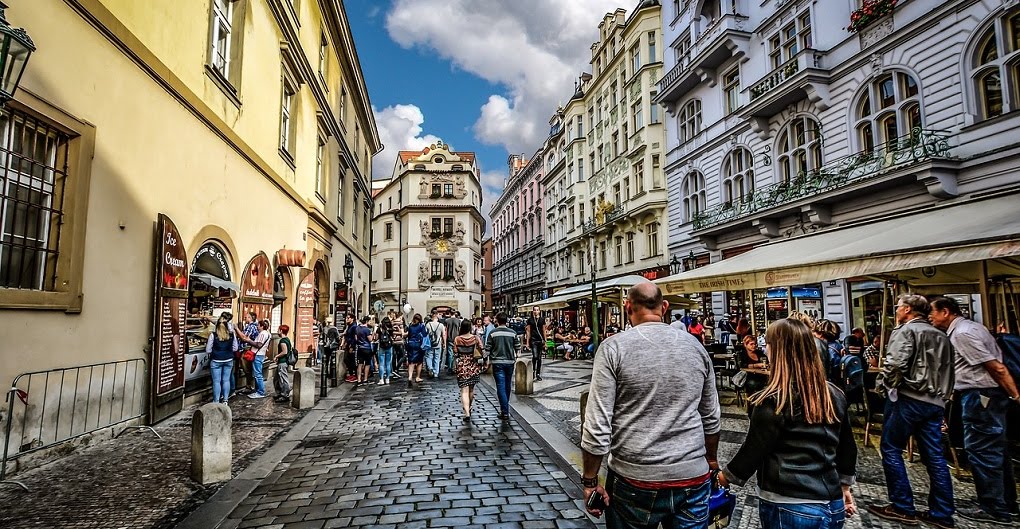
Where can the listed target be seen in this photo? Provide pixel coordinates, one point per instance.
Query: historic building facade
(518, 235)
(788, 119)
(605, 190)
(243, 128)
(427, 232)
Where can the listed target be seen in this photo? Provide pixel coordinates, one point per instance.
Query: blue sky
(481, 75)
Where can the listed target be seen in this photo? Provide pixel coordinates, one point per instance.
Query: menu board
(171, 345)
(305, 339)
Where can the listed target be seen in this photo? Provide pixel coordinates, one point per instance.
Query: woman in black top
(799, 441)
(751, 356)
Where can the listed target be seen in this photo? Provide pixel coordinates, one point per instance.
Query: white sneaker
(381, 381)
(256, 396)
(387, 380)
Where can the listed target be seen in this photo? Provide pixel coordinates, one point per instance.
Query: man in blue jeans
(501, 346)
(661, 431)
(918, 376)
(986, 388)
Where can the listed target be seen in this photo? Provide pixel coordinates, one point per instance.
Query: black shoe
(888, 512)
(538, 378)
(978, 514)
(940, 523)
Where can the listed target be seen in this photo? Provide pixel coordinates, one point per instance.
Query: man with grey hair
(918, 376)
(654, 409)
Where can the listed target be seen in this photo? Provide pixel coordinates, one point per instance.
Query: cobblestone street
(393, 456)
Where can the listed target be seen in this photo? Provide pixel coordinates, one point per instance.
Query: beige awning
(972, 231)
(608, 290)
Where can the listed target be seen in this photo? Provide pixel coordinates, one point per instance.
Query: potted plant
(871, 11)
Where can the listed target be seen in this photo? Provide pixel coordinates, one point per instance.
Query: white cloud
(400, 129)
(535, 48)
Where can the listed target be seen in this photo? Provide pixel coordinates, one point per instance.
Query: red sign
(304, 337)
(341, 294)
(257, 281)
(169, 311)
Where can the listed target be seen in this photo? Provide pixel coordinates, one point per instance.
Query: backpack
(291, 354)
(835, 350)
(1009, 345)
(385, 338)
(434, 339)
(330, 341)
(851, 373)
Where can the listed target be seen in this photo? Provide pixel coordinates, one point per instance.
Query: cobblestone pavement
(136, 480)
(393, 456)
(556, 399)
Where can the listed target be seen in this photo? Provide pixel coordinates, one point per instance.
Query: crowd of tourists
(242, 352)
(661, 432)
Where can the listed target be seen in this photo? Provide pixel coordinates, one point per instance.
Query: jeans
(802, 515)
(318, 354)
(908, 417)
(633, 508)
(984, 437)
(433, 358)
(503, 374)
(450, 362)
(256, 368)
(282, 379)
(399, 355)
(221, 373)
(537, 352)
(385, 362)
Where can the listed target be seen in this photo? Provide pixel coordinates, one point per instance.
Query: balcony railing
(618, 212)
(705, 41)
(807, 58)
(918, 146)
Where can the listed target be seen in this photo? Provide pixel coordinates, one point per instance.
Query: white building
(797, 118)
(427, 233)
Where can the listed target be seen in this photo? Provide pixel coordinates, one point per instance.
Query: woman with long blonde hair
(799, 441)
(221, 346)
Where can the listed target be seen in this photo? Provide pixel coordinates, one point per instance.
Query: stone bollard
(524, 377)
(211, 448)
(302, 395)
(584, 407)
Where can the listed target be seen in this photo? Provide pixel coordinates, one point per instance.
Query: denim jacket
(919, 363)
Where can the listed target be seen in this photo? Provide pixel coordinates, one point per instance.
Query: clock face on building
(443, 246)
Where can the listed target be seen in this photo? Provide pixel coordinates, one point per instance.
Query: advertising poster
(169, 343)
(304, 337)
(257, 287)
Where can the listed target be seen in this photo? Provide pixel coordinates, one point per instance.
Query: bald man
(653, 408)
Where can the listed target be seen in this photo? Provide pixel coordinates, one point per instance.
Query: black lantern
(675, 266)
(15, 49)
(690, 261)
(349, 269)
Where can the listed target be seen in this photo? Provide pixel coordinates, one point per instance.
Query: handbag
(739, 379)
(248, 355)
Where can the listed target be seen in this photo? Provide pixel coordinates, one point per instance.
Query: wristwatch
(590, 483)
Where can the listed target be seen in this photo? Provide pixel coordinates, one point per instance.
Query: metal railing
(807, 58)
(919, 145)
(66, 403)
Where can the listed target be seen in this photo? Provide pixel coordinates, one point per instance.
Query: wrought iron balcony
(727, 37)
(801, 77)
(920, 145)
(618, 212)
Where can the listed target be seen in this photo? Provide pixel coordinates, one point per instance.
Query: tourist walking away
(350, 347)
(363, 343)
(678, 322)
(501, 346)
(437, 336)
(221, 346)
(399, 335)
(384, 339)
(800, 441)
(251, 332)
(331, 341)
(918, 378)
(535, 330)
(653, 407)
(985, 390)
(828, 331)
(317, 331)
(820, 344)
(470, 359)
(259, 348)
(415, 346)
(286, 358)
(452, 324)
(725, 330)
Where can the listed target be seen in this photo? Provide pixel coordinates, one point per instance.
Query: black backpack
(1009, 345)
(385, 338)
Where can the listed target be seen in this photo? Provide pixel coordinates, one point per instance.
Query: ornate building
(790, 121)
(427, 232)
(517, 236)
(605, 192)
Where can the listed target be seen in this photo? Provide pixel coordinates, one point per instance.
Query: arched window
(693, 195)
(799, 147)
(889, 108)
(996, 74)
(689, 121)
(738, 176)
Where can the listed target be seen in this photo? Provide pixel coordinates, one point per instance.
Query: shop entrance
(211, 293)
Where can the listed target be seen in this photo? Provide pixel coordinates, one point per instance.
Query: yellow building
(245, 122)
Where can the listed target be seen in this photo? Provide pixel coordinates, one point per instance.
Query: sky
(480, 75)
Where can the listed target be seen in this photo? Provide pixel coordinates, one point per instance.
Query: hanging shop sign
(290, 258)
(211, 260)
(169, 312)
(304, 337)
(257, 287)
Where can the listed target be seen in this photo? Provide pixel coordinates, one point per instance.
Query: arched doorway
(321, 291)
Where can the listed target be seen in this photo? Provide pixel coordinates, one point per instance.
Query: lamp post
(690, 262)
(594, 302)
(15, 49)
(675, 265)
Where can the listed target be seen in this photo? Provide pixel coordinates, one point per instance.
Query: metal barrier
(66, 403)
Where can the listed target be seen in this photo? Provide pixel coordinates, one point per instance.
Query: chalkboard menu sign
(169, 344)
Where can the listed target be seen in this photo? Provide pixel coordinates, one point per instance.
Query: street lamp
(349, 269)
(690, 261)
(594, 302)
(15, 50)
(675, 265)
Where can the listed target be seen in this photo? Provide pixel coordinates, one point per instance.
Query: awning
(583, 291)
(215, 281)
(972, 231)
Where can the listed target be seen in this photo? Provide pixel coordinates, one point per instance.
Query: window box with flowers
(870, 11)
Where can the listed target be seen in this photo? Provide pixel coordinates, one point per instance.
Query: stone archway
(322, 287)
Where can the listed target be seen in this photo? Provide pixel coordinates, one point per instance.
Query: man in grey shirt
(654, 409)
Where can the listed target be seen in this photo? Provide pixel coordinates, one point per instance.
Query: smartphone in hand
(596, 502)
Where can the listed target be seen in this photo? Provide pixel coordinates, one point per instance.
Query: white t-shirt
(679, 325)
(263, 338)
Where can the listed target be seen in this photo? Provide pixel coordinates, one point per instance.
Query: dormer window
(438, 160)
